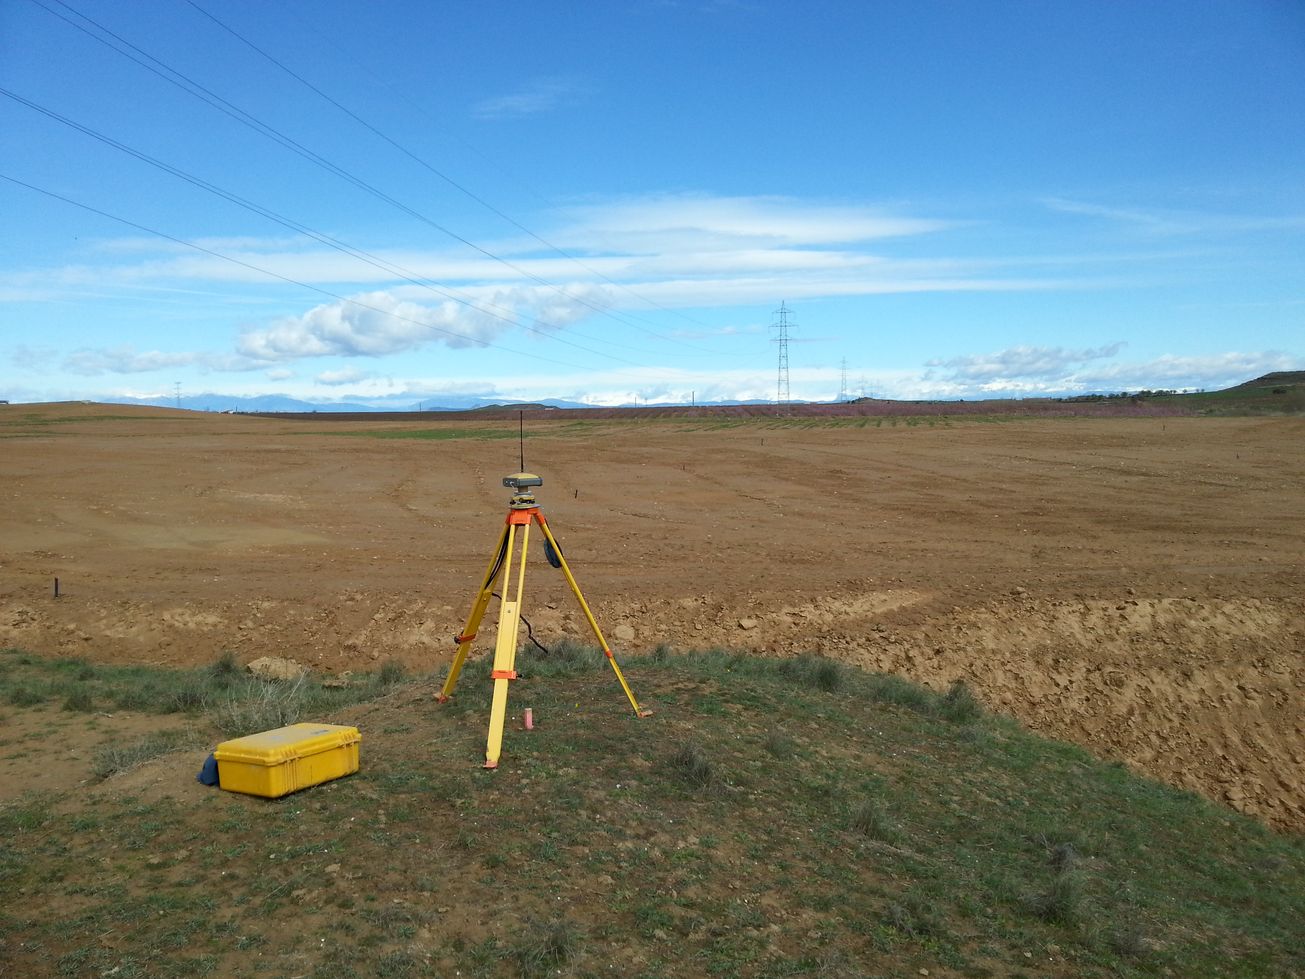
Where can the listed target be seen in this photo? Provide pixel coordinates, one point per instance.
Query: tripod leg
(589, 616)
(505, 649)
(468, 634)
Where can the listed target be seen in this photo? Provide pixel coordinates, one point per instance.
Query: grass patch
(813, 671)
(79, 700)
(778, 744)
(114, 759)
(772, 818)
(871, 821)
(691, 765)
(545, 947)
(222, 691)
(959, 705)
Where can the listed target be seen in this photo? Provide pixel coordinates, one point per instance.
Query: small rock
(623, 632)
(275, 668)
(747, 623)
(333, 868)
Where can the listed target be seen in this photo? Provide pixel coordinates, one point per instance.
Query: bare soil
(1135, 585)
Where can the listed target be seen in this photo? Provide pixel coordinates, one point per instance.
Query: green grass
(236, 701)
(116, 758)
(1282, 393)
(817, 820)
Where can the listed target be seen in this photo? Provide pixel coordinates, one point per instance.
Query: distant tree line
(1148, 393)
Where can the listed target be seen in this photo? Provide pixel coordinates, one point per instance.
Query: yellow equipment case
(276, 763)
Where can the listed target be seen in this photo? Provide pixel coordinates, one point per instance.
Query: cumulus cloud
(376, 324)
(371, 324)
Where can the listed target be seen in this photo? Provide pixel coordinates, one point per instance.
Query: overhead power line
(448, 179)
(206, 95)
(429, 327)
(502, 314)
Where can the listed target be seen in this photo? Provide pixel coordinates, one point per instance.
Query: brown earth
(1134, 585)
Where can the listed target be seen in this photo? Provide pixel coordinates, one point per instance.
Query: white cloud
(32, 358)
(377, 324)
(371, 324)
(341, 377)
(1169, 221)
(1022, 363)
(671, 223)
(1209, 372)
(540, 95)
(675, 250)
(1038, 371)
(125, 360)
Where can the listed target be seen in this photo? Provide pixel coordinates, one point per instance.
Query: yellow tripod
(522, 512)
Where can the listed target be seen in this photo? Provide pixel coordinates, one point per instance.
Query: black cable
(530, 633)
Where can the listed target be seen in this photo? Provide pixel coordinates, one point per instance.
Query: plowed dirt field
(1136, 585)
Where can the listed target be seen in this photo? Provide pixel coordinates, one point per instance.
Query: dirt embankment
(1134, 584)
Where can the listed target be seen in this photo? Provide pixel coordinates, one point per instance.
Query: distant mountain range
(1277, 383)
(282, 403)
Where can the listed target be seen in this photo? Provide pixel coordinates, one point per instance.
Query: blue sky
(396, 202)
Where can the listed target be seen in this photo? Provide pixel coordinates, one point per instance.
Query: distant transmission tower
(781, 327)
(842, 387)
